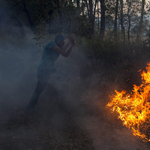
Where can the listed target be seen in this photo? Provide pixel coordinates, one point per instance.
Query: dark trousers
(43, 77)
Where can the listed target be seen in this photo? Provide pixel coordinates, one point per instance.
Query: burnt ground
(71, 113)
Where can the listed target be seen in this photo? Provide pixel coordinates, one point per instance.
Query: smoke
(106, 131)
(70, 113)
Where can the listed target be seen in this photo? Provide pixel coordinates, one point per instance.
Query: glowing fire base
(134, 109)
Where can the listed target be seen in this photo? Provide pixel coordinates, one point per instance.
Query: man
(50, 55)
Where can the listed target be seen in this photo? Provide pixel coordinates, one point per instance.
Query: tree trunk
(60, 15)
(129, 25)
(82, 8)
(87, 8)
(93, 23)
(121, 14)
(78, 3)
(141, 20)
(98, 6)
(115, 24)
(129, 20)
(91, 8)
(28, 16)
(91, 16)
(102, 30)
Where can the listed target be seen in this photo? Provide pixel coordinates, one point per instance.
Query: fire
(134, 109)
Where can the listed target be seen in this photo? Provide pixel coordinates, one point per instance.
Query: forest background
(111, 29)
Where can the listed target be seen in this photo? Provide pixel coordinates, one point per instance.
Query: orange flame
(134, 109)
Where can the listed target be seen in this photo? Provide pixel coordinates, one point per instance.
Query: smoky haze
(70, 113)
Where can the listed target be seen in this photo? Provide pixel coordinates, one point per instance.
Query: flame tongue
(134, 109)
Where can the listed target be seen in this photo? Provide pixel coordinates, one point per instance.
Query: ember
(134, 109)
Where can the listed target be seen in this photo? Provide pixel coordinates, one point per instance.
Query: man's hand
(71, 39)
(73, 43)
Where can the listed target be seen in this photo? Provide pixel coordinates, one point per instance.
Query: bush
(115, 53)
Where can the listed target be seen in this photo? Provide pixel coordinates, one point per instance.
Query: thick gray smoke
(70, 113)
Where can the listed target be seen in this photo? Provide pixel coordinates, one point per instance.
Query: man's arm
(70, 49)
(65, 47)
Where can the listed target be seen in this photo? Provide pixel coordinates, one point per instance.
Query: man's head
(60, 40)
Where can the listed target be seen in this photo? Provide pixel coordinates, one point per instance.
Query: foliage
(81, 26)
(67, 16)
(63, 16)
(114, 52)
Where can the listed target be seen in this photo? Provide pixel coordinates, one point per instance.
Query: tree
(103, 9)
(98, 13)
(121, 20)
(131, 14)
(28, 15)
(129, 18)
(141, 20)
(91, 10)
(78, 3)
(116, 17)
